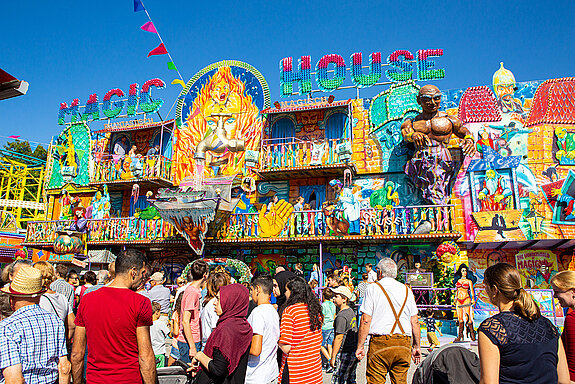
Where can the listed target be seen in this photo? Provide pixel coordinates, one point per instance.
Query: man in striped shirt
(61, 286)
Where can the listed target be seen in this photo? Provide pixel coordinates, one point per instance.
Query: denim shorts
(175, 353)
(327, 335)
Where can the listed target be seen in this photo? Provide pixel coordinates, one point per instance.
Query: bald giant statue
(431, 168)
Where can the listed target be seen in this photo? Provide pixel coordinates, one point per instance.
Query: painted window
(283, 128)
(335, 126)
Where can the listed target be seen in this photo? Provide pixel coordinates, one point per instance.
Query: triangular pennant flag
(149, 27)
(159, 50)
(171, 65)
(138, 6)
(178, 81)
(13, 137)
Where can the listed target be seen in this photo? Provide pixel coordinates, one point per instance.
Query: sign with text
(401, 68)
(141, 100)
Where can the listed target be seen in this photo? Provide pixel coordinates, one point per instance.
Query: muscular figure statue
(431, 168)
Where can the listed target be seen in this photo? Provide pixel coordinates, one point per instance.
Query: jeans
(184, 349)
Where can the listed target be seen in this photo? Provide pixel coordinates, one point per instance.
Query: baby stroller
(176, 374)
(450, 364)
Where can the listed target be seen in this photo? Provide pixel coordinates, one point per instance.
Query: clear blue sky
(70, 49)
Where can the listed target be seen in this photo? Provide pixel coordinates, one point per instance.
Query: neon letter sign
(92, 108)
(400, 70)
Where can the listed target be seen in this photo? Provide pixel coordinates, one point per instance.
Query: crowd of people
(123, 324)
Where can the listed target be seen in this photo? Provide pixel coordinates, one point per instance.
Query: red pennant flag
(159, 50)
(149, 27)
(13, 137)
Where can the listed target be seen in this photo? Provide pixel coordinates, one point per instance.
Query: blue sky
(71, 49)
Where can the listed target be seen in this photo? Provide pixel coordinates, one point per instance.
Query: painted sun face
(220, 92)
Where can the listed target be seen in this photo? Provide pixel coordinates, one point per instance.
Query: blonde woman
(563, 285)
(518, 345)
(55, 302)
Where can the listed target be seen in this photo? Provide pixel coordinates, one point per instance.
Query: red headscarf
(233, 334)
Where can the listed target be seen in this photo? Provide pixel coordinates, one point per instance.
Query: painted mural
(71, 160)
(219, 121)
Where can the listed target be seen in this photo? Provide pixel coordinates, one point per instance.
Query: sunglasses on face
(429, 97)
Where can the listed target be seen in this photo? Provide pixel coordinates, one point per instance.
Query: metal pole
(320, 264)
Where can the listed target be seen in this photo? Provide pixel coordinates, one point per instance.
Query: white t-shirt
(371, 276)
(158, 332)
(376, 305)
(265, 321)
(209, 319)
(57, 304)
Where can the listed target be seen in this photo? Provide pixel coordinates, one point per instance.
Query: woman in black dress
(518, 345)
(224, 359)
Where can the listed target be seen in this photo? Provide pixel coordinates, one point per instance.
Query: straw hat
(26, 283)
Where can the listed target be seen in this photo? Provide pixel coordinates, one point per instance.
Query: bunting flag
(171, 65)
(159, 50)
(178, 81)
(149, 27)
(138, 6)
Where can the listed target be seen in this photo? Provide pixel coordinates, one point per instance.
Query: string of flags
(160, 49)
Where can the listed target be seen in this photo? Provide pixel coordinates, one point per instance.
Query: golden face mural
(219, 119)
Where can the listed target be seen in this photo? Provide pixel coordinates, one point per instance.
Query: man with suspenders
(389, 316)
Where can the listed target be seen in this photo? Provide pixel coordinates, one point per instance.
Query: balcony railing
(105, 230)
(372, 222)
(108, 170)
(297, 153)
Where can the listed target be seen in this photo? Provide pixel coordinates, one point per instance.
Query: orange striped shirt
(304, 361)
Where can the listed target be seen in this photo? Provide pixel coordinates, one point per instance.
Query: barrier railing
(298, 153)
(372, 222)
(126, 168)
(109, 230)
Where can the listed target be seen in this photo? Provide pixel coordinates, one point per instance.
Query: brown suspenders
(395, 314)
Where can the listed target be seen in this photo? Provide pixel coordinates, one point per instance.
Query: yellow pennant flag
(178, 81)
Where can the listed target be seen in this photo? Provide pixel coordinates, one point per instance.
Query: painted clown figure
(347, 202)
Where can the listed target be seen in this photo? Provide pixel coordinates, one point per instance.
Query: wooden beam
(529, 244)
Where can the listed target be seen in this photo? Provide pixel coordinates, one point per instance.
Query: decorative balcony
(293, 157)
(418, 223)
(155, 169)
(105, 231)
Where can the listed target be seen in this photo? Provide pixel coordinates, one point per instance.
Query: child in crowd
(158, 333)
(431, 327)
(265, 322)
(343, 358)
(328, 311)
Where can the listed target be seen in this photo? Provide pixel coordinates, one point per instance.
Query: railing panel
(373, 222)
(121, 169)
(297, 153)
(108, 230)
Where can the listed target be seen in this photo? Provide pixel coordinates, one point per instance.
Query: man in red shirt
(114, 322)
(190, 337)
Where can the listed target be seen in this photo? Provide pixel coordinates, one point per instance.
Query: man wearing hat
(159, 293)
(32, 340)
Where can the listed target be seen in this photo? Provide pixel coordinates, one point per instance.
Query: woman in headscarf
(224, 359)
(281, 279)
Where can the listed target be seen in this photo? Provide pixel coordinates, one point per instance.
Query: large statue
(431, 168)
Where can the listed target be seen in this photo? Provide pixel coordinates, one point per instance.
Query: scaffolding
(21, 189)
